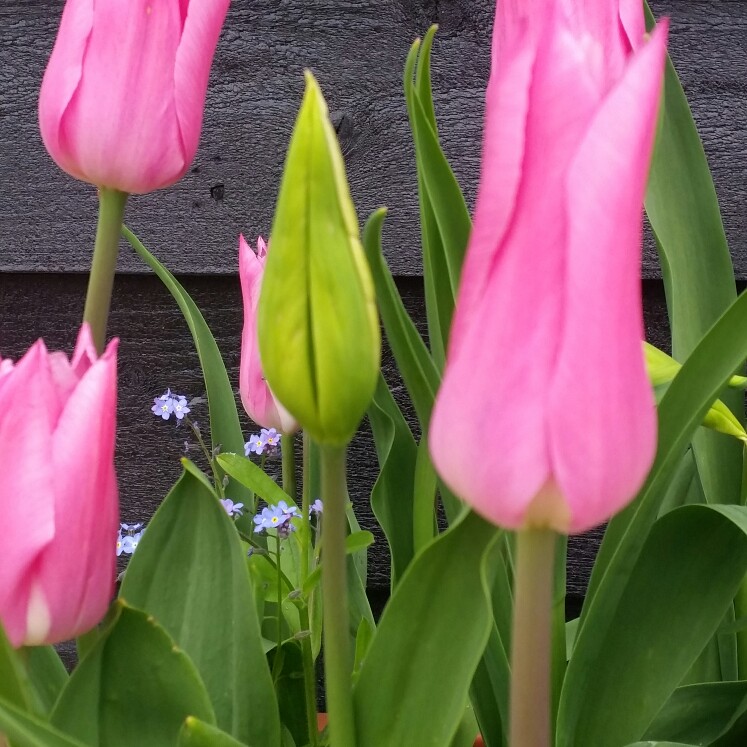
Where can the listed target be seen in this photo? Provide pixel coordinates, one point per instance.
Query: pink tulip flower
(58, 491)
(259, 402)
(545, 417)
(122, 97)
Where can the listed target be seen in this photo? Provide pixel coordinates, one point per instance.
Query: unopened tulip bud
(319, 333)
(58, 492)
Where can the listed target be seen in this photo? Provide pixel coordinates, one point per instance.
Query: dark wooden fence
(357, 50)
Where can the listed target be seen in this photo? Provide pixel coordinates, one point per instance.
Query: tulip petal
(602, 421)
(62, 77)
(192, 70)
(84, 355)
(506, 109)
(127, 78)
(78, 570)
(26, 484)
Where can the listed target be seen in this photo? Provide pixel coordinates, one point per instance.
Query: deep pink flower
(545, 370)
(259, 402)
(122, 98)
(58, 492)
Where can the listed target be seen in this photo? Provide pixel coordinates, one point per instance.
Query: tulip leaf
(14, 685)
(225, 429)
(392, 493)
(196, 733)
(246, 472)
(47, 675)
(134, 687)
(444, 218)
(669, 607)
(414, 682)
(703, 713)
(681, 410)
(414, 362)
(683, 210)
(424, 498)
(27, 730)
(190, 573)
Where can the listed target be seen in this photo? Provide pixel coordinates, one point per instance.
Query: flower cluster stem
(337, 654)
(531, 650)
(309, 671)
(101, 279)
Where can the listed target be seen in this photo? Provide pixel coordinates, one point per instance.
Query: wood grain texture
(357, 49)
(156, 352)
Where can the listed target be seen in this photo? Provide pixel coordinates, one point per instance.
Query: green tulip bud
(319, 337)
(662, 369)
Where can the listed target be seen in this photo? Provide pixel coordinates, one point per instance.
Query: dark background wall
(357, 50)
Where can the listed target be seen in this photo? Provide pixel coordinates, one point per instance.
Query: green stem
(101, 279)
(309, 678)
(277, 664)
(337, 655)
(309, 671)
(287, 449)
(305, 504)
(531, 655)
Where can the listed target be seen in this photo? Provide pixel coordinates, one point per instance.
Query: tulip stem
(531, 651)
(287, 448)
(337, 655)
(104, 264)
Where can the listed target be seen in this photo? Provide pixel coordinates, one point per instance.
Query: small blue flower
(255, 445)
(181, 408)
(163, 406)
(288, 511)
(128, 544)
(271, 517)
(232, 509)
(316, 507)
(271, 437)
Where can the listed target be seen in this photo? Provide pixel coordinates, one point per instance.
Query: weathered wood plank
(156, 352)
(357, 49)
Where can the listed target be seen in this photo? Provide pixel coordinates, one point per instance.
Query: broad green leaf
(190, 573)
(392, 493)
(670, 606)
(700, 714)
(196, 733)
(357, 541)
(289, 683)
(363, 639)
(47, 675)
(489, 691)
(424, 498)
(27, 730)
(246, 472)
(134, 687)
(225, 429)
(414, 682)
(681, 410)
(414, 362)
(661, 744)
(696, 265)
(14, 684)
